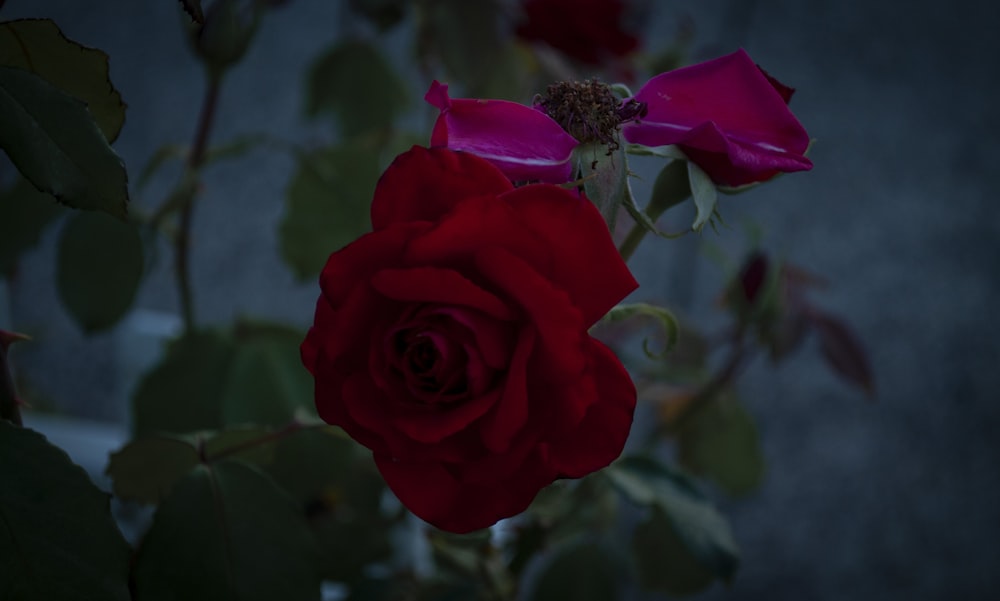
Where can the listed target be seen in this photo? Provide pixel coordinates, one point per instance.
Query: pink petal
(727, 115)
(524, 143)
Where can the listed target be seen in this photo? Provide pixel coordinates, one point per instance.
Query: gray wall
(893, 499)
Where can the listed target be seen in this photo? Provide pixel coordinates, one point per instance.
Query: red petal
(439, 286)
(357, 261)
(524, 143)
(435, 496)
(475, 225)
(510, 413)
(548, 309)
(584, 260)
(424, 184)
(601, 435)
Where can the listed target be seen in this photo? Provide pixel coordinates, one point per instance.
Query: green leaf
(144, 470)
(37, 45)
(583, 570)
(267, 383)
(662, 315)
(327, 206)
(354, 83)
(605, 178)
(54, 142)
(24, 214)
(336, 480)
(704, 532)
(99, 270)
(226, 531)
(243, 443)
(57, 537)
(467, 37)
(664, 152)
(672, 187)
(704, 193)
(297, 471)
(663, 560)
(721, 443)
(184, 392)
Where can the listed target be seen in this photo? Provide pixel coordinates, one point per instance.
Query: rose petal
(357, 261)
(494, 339)
(551, 312)
(473, 225)
(601, 436)
(524, 143)
(435, 423)
(423, 184)
(310, 347)
(509, 415)
(584, 261)
(438, 285)
(742, 106)
(435, 496)
(369, 411)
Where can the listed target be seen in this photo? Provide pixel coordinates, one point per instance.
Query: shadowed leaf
(226, 531)
(54, 142)
(99, 270)
(327, 206)
(57, 537)
(843, 351)
(38, 46)
(183, 393)
(704, 532)
(24, 214)
(583, 570)
(357, 85)
(721, 443)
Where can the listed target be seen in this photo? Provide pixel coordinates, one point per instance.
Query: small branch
(196, 159)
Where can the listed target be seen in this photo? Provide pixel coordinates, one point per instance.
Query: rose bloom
(452, 340)
(589, 31)
(727, 115)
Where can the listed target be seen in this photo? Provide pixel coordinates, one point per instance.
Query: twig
(195, 161)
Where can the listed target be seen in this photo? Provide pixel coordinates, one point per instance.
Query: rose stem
(195, 161)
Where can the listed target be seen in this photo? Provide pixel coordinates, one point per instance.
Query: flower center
(589, 111)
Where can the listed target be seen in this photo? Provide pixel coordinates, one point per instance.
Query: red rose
(589, 31)
(452, 340)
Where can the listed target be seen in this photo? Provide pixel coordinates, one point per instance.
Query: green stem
(670, 188)
(196, 159)
(632, 240)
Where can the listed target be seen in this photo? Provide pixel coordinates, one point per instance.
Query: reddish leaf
(843, 351)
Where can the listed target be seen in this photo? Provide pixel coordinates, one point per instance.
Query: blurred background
(892, 498)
